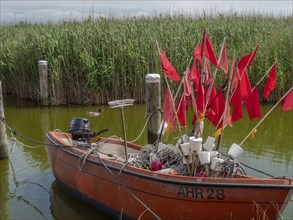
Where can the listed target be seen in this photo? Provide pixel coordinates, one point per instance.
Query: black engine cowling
(80, 129)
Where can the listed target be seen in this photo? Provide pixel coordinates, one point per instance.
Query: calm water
(28, 189)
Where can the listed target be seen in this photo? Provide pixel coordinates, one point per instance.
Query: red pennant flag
(181, 111)
(168, 107)
(271, 82)
(186, 84)
(197, 53)
(244, 89)
(237, 112)
(207, 73)
(194, 76)
(247, 60)
(228, 116)
(253, 105)
(168, 68)
(288, 101)
(223, 61)
(217, 107)
(245, 85)
(211, 92)
(187, 103)
(200, 99)
(209, 52)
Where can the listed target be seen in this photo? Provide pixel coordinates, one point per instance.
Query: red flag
(209, 52)
(253, 105)
(187, 103)
(247, 60)
(181, 111)
(217, 107)
(211, 92)
(243, 88)
(223, 61)
(237, 112)
(228, 116)
(271, 82)
(186, 84)
(200, 99)
(245, 85)
(194, 76)
(168, 68)
(288, 101)
(168, 107)
(207, 73)
(197, 53)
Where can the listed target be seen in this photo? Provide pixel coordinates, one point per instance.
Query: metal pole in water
(3, 137)
(153, 102)
(43, 74)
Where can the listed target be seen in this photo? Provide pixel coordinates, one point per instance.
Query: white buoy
(195, 143)
(204, 157)
(185, 148)
(235, 151)
(209, 144)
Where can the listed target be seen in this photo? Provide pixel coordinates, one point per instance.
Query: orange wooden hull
(167, 196)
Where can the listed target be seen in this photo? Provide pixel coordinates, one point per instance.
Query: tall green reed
(95, 61)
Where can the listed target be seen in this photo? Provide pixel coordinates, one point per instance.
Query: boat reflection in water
(63, 206)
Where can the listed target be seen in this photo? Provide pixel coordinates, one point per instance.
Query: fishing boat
(98, 173)
(188, 180)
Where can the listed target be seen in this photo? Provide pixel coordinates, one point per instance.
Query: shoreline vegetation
(92, 62)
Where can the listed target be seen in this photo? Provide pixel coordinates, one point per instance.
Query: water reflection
(64, 206)
(27, 184)
(4, 189)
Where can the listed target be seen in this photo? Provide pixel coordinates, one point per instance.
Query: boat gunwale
(159, 177)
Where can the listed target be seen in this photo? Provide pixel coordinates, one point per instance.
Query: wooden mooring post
(3, 136)
(43, 74)
(153, 102)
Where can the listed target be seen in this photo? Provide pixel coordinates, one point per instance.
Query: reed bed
(95, 61)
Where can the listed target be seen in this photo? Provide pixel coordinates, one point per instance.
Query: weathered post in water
(153, 103)
(4, 189)
(3, 137)
(43, 74)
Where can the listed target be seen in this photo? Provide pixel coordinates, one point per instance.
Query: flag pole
(252, 90)
(232, 73)
(173, 101)
(232, 93)
(265, 117)
(242, 73)
(197, 129)
(214, 75)
(264, 76)
(177, 92)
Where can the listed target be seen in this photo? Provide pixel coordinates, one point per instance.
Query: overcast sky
(43, 10)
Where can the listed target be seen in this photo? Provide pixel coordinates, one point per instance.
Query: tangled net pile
(172, 160)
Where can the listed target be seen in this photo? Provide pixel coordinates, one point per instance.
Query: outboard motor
(81, 131)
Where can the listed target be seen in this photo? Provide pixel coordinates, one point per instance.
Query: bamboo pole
(232, 73)
(265, 117)
(173, 101)
(198, 127)
(153, 102)
(43, 74)
(3, 136)
(263, 77)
